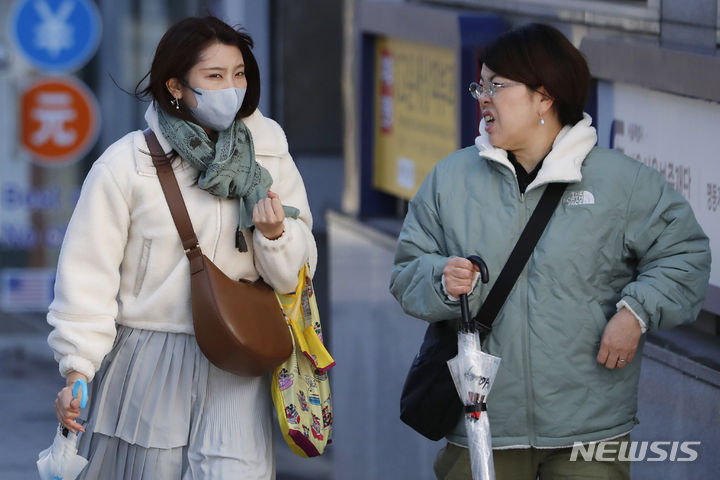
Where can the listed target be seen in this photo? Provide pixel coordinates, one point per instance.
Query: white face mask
(216, 109)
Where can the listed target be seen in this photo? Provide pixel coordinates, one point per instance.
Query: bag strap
(518, 258)
(172, 193)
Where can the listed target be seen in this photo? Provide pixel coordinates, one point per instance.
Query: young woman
(121, 314)
(622, 253)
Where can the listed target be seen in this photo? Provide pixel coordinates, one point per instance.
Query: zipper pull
(240, 240)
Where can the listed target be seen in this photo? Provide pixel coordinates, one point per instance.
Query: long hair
(179, 50)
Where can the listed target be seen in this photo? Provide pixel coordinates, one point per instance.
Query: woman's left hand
(268, 216)
(620, 340)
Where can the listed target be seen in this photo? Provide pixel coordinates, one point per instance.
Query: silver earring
(542, 120)
(176, 102)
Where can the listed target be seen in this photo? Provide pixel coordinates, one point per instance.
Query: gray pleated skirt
(159, 410)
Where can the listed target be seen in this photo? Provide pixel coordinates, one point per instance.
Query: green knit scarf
(227, 166)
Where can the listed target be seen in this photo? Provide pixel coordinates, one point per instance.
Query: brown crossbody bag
(239, 325)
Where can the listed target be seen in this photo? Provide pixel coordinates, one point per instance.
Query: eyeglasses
(477, 89)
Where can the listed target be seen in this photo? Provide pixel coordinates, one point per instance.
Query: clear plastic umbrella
(60, 461)
(473, 372)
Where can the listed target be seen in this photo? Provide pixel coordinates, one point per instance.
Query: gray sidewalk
(29, 381)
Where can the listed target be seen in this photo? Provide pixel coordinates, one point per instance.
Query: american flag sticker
(26, 289)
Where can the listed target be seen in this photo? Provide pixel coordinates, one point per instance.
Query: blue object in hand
(83, 398)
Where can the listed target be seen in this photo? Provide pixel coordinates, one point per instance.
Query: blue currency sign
(56, 35)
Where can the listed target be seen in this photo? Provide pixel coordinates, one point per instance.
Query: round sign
(59, 120)
(55, 35)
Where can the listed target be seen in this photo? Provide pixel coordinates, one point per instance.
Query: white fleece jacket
(122, 260)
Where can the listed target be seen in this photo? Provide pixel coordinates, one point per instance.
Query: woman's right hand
(459, 276)
(67, 408)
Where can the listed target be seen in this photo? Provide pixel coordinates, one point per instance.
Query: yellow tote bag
(300, 386)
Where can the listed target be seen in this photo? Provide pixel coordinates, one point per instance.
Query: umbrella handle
(484, 274)
(465, 310)
(82, 385)
(466, 323)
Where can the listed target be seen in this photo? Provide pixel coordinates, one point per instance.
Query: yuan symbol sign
(56, 35)
(53, 112)
(59, 120)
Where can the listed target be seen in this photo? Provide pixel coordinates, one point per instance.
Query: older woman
(121, 314)
(622, 254)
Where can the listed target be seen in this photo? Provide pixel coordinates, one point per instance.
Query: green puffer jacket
(620, 233)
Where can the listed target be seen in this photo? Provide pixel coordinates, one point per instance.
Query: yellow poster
(415, 113)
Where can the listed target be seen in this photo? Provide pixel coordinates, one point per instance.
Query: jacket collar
(268, 141)
(565, 159)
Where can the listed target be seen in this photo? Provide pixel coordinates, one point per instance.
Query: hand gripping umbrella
(473, 373)
(60, 461)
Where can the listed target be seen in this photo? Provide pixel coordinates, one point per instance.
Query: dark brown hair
(179, 50)
(541, 56)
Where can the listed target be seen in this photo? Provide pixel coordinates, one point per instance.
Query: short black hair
(179, 50)
(539, 55)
